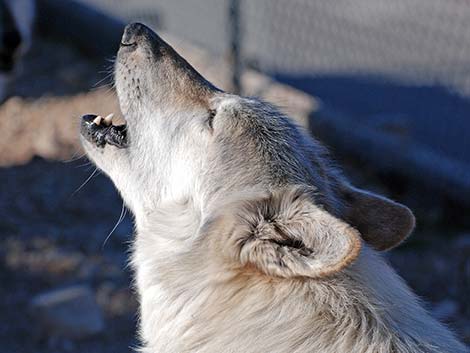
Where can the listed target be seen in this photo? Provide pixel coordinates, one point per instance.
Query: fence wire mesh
(414, 41)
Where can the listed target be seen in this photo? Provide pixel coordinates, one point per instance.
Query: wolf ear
(284, 234)
(382, 223)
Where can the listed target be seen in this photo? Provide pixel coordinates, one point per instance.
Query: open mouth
(100, 131)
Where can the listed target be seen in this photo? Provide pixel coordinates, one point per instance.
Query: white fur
(190, 302)
(195, 190)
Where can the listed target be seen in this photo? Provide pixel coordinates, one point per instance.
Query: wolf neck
(191, 302)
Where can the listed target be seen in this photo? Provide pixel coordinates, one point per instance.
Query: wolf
(248, 238)
(16, 30)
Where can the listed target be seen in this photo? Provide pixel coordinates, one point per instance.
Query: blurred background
(384, 84)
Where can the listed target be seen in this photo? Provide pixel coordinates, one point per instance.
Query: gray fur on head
(248, 239)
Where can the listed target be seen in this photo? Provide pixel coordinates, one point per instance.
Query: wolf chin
(248, 238)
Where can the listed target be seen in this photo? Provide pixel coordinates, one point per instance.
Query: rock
(445, 310)
(70, 312)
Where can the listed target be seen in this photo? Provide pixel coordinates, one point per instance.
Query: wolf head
(262, 187)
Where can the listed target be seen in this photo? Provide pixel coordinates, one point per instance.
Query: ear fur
(382, 223)
(285, 234)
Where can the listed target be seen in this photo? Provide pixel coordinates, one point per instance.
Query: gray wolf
(248, 238)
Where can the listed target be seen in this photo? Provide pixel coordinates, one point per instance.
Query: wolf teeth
(108, 119)
(97, 120)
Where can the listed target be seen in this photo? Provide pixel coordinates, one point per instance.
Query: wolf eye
(210, 118)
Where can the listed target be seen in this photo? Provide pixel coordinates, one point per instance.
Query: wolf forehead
(254, 137)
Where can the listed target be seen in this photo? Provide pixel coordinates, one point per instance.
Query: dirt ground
(56, 215)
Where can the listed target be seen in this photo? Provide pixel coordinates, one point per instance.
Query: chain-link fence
(414, 41)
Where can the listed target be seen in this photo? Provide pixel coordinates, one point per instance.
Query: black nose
(134, 33)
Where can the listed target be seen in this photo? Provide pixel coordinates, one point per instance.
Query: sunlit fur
(247, 238)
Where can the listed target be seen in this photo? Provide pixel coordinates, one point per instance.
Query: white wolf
(248, 239)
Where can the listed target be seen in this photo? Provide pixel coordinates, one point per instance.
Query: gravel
(70, 312)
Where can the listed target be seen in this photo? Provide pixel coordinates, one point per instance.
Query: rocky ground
(66, 286)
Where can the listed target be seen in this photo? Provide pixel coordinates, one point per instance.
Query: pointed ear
(284, 234)
(382, 223)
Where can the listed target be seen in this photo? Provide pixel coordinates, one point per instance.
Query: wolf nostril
(133, 34)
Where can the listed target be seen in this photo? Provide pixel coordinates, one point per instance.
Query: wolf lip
(102, 134)
(127, 44)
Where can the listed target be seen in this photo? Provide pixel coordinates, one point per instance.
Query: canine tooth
(108, 119)
(97, 120)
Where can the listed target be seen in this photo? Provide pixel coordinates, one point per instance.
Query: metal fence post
(235, 45)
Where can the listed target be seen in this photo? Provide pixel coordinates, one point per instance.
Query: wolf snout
(135, 34)
(148, 69)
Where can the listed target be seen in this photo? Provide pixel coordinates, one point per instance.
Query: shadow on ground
(430, 115)
(53, 237)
